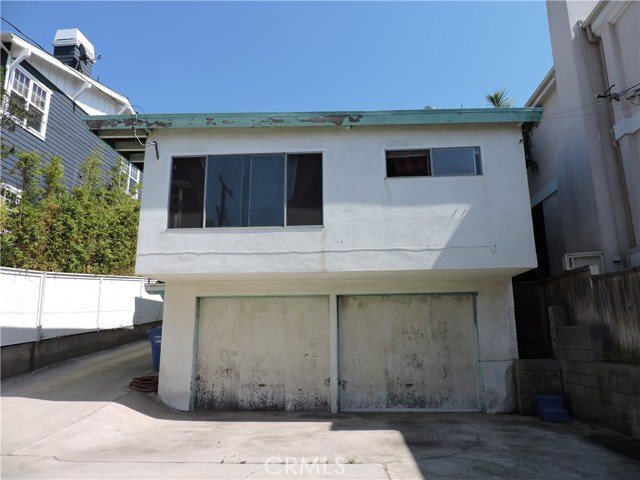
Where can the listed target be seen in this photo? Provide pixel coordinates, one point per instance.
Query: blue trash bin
(155, 337)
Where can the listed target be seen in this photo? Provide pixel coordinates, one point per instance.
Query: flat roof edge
(315, 119)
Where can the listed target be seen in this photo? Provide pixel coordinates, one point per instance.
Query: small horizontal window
(434, 162)
(456, 161)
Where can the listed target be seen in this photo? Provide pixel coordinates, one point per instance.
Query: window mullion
(204, 193)
(430, 162)
(285, 192)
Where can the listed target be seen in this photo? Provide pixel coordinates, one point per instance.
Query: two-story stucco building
(335, 261)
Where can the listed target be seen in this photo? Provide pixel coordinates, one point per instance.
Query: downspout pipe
(591, 37)
(586, 25)
(594, 39)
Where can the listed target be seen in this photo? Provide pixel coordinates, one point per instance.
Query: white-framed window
(132, 178)
(434, 162)
(34, 97)
(9, 194)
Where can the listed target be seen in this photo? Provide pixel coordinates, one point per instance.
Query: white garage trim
(333, 353)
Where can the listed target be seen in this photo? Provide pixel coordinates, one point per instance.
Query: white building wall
(370, 223)
(588, 180)
(618, 27)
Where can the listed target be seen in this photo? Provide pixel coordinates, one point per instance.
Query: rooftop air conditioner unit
(595, 261)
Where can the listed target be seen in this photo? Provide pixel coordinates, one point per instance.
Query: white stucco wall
(370, 223)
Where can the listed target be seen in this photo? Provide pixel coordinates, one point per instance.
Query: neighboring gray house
(58, 91)
(340, 261)
(585, 195)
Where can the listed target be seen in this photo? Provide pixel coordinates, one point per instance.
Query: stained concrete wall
(494, 317)
(25, 357)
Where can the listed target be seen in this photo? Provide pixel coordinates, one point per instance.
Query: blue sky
(183, 57)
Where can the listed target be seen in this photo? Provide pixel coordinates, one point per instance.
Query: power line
(24, 34)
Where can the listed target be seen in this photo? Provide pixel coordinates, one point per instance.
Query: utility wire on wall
(616, 96)
(133, 127)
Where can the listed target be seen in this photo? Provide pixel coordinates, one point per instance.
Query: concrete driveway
(80, 420)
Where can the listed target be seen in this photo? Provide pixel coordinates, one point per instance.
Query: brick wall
(606, 393)
(536, 377)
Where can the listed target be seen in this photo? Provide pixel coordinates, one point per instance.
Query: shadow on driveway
(72, 419)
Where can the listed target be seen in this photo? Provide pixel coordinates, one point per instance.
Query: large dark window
(245, 191)
(252, 190)
(434, 162)
(187, 192)
(304, 189)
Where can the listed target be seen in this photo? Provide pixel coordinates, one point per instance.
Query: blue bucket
(155, 337)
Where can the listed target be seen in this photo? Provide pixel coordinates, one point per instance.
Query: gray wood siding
(66, 136)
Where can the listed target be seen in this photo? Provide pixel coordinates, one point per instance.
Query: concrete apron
(79, 420)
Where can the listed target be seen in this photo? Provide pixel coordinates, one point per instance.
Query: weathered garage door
(408, 352)
(263, 353)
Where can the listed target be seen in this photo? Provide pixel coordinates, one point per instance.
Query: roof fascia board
(47, 57)
(606, 12)
(542, 91)
(317, 119)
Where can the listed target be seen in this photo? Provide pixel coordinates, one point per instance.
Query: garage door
(263, 353)
(408, 352)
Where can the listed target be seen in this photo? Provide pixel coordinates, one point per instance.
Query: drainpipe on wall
(593, 39)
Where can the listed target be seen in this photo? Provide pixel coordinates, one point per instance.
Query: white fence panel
(19, 300)
(37, 305)
(70, 306)
(118, 303)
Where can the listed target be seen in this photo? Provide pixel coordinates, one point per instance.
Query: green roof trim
(315, 119)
